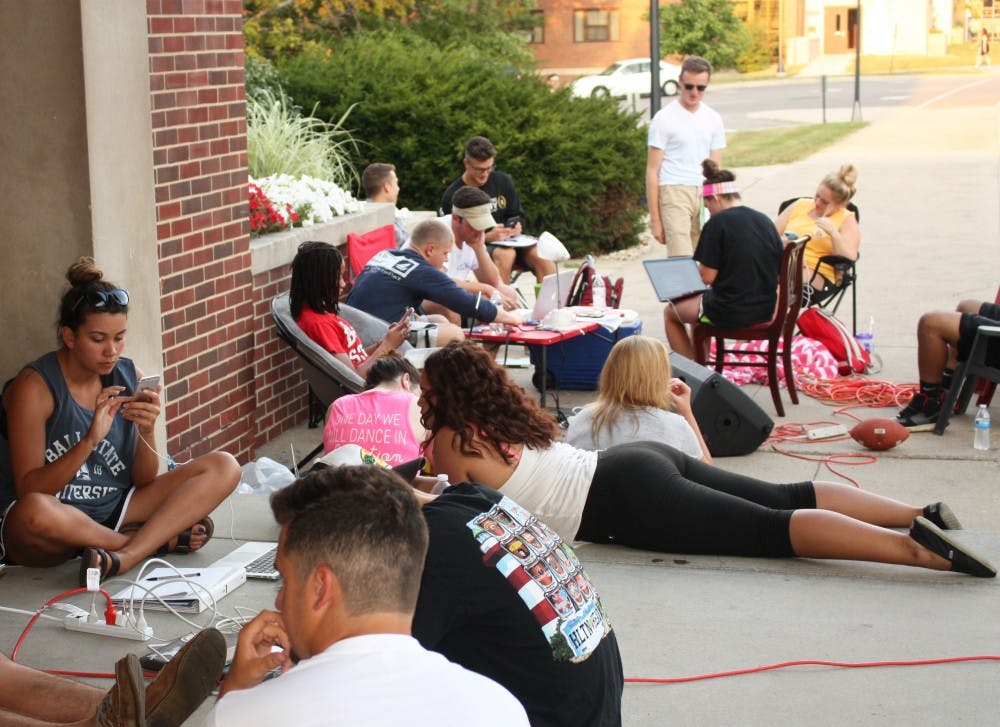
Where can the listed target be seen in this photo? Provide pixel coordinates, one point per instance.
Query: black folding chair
(846, 277)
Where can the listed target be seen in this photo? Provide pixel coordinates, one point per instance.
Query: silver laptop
(674, 278)
(257, 557)
(553, 294)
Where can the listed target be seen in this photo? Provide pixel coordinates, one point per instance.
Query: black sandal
(106, 562)
(183, 545)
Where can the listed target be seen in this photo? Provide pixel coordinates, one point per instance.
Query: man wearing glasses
(505, 206)
(681, 136)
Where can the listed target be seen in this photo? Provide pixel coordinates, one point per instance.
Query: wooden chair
(782, 326)
(847, 274)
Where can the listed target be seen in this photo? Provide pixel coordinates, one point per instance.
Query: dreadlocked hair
(316, 278)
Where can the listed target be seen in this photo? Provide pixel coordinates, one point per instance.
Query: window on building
(595, 26)
(537, 33)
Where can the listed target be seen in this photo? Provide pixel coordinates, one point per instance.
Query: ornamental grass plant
(281, 140)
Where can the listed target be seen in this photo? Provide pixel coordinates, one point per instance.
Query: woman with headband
(738, 255)
(79, 468)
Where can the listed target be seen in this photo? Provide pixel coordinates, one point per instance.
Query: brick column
(197, 93)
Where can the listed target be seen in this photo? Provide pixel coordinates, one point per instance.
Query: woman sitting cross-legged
(385, 418)
(78, 462)
(635, 398)
(738, 255)
(314, 299)
(484, 429)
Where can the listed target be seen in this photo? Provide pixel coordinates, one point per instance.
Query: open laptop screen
(674, 278)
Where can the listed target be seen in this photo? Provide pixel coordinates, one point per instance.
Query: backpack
(581, 291)
(829, 330)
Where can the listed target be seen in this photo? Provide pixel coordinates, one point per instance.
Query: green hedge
(578, 163)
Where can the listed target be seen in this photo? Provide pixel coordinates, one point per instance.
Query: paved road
(749, 106)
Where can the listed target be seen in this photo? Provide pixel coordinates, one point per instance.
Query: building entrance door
(838, 29)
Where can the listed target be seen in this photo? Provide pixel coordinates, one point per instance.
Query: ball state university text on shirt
(58, 447)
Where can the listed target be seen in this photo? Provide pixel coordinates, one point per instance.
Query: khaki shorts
(680, 212)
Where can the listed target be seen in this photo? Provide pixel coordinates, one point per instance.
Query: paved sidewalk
(930, 202)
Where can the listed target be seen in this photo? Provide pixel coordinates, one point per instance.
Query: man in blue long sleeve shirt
(394, 280)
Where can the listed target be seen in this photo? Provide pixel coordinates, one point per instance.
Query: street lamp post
(781, 39)
(654, 57)
(856, 109)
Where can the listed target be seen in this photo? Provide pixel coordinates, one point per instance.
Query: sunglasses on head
(100, 299)
(693, 86)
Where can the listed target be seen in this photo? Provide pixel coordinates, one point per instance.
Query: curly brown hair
(466, 390)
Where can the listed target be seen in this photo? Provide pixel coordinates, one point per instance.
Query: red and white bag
(829, 330)
(587, 281)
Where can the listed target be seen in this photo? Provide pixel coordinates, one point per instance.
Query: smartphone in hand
(147, 383)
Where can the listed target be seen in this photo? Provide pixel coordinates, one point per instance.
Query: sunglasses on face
(693, 86)
(100, 299)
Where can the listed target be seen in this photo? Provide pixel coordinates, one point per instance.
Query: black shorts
(989, 315)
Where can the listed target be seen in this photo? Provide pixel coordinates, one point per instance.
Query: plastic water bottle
(441, 485)
(497, 300)
(982, 427)
(598, 291)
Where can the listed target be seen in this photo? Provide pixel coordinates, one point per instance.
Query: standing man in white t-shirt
(681, 136)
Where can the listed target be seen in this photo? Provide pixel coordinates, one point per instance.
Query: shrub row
(578, 163)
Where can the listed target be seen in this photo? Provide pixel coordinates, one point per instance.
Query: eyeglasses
(693, 86)
(482, 170)
(100, 299)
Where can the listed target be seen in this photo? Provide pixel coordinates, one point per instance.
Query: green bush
(280, 140)
(578, 163)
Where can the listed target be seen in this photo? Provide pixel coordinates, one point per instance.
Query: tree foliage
(578, 163)
(273, 28)
(706, 28)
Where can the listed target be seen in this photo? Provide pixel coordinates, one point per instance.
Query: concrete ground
(929, 193)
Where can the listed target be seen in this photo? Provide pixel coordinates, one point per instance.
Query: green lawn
(784, 145)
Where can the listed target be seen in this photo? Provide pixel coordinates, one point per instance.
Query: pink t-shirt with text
(377, 420)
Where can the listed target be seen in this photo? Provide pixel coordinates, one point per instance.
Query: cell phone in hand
(147, 383)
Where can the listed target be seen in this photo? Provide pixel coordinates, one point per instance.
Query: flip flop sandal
(183, 545)
(106, 561)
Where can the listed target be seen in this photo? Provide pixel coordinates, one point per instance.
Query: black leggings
(649, 495)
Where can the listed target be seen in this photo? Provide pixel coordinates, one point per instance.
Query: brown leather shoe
(186, 680)
(125, 703)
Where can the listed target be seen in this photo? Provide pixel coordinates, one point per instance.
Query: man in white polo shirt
(681, 136)
(469, 263)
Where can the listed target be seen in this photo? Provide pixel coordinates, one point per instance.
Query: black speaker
(730, 421)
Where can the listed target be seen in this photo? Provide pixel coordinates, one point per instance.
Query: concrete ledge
(277, 249)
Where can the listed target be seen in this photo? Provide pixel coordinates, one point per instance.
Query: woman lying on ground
(738, 255)
(649, 495)
(385, 418)
(78, 463)
(314, 299)
(833, 228)
(635, 399)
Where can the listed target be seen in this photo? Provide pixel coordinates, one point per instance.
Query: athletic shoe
(962, 559)
(186, 680)
(941, 515)
(125, 704)
(921, 414)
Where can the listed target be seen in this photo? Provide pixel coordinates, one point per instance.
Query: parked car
(626, 77)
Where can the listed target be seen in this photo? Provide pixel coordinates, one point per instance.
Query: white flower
(314, 200)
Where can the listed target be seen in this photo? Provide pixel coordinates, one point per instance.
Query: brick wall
(200, 166)
(281, 389)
